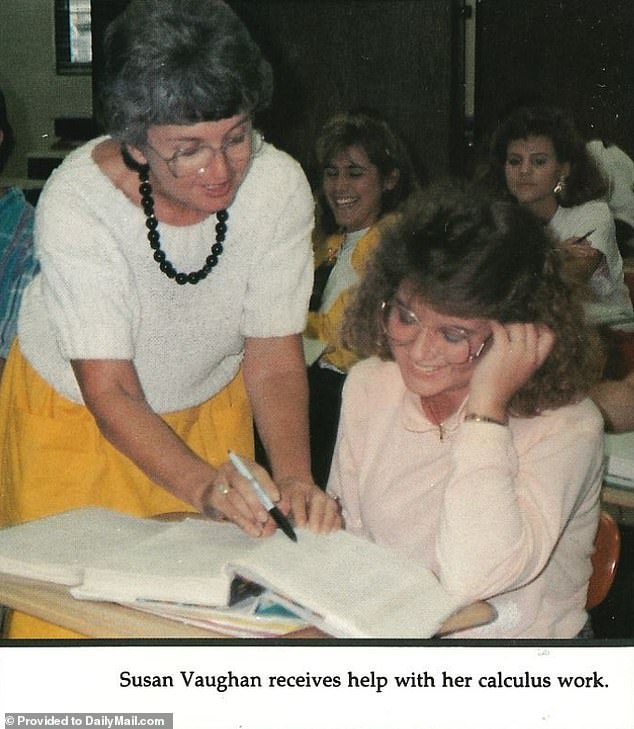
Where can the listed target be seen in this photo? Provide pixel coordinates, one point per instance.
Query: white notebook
(344, 584)
(186, 562)
(350, 587)
(57, 548)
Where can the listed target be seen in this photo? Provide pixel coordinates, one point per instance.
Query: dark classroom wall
(400, 57)
(404, 58)
(575, 53)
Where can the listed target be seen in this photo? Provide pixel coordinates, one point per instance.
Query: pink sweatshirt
(506, 514)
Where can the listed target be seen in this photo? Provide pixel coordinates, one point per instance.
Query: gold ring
(223, 488)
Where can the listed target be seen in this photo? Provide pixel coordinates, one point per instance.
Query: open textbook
(345, 585)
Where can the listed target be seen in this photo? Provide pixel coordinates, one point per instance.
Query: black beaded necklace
(153, 236)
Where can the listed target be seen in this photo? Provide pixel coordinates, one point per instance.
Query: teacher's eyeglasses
(195, 159)
(402, 327)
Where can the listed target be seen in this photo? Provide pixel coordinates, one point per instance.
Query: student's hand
(583, 258)
(516, 352)
(579, 247)
(310, 507)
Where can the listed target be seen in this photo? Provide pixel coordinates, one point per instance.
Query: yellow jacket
(326, 325)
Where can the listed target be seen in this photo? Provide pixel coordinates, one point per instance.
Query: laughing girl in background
(366, 174)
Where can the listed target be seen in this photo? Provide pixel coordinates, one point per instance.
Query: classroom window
(73, 40)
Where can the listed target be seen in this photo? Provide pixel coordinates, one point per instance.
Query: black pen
(263, 497)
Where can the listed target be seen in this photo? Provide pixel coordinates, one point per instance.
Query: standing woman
(540, 158)
(366, 174)
(176, 271)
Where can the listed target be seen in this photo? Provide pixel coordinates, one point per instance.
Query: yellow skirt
(55, 458)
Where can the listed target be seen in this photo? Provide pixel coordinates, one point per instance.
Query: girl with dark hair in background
(539, 157)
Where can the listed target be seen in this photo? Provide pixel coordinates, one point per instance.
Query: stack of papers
(254, 617)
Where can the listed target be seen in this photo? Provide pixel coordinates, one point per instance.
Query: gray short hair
(179, 62)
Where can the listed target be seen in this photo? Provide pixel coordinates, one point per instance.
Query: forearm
(113, 394)
(504, 511)
(280, 405)
(280, 409)
(275, 378)
(482, 542)
(134, 429)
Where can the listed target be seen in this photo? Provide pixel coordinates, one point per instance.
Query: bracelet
(474, 417)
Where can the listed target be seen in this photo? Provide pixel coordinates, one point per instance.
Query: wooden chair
(607, 548)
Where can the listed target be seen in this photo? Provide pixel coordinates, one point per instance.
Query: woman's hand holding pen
(516, 352)
(231, 496)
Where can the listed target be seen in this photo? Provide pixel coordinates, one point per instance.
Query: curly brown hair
(471, 255)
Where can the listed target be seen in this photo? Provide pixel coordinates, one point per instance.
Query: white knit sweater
(101, 295)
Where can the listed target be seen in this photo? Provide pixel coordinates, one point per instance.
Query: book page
(56, 548)
(350, 587)
(184, 563)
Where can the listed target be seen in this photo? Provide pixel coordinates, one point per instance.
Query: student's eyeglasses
(402, 327)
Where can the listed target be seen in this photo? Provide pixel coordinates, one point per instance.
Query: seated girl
(466, 439)
(538, 156)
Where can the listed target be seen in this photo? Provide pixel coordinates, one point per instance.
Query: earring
(560, 186)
